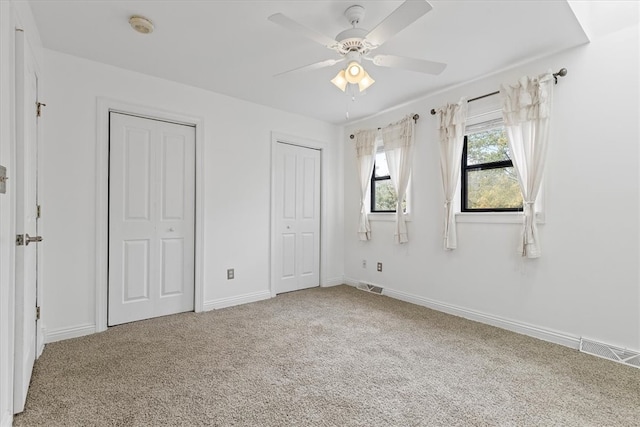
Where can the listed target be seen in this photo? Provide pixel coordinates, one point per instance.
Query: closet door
(151, 218)
(297, 217)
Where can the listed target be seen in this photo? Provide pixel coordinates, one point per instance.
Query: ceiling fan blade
(419, 65)
(300, 29)
(311, 67)
(407, 13)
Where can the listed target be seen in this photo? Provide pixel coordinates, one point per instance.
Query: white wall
(237, 144)
(586, 283)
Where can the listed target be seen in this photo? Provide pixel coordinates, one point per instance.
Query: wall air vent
(605, 351)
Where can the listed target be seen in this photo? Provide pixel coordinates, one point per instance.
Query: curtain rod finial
(561, 73)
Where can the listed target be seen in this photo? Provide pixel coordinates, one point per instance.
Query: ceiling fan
(356, 44)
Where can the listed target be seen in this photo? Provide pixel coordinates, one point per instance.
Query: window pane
(385, 197)
(487, 146)
(381, 165)
(493, 189)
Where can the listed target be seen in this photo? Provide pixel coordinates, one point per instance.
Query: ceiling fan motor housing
(352, 40)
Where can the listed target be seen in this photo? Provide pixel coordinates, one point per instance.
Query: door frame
(104, 107)
(282, 138)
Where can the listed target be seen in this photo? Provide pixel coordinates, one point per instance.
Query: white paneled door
(26, 256)
(151, 218)
(296, 198)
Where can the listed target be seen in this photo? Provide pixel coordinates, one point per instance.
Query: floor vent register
(605, 351)
(370, 288)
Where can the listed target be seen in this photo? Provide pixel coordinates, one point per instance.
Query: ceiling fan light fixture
(340, 81)
(365, 82)
(354, 72)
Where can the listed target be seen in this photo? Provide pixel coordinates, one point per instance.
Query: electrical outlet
(379, 266)
(230, 273)
(364, 263)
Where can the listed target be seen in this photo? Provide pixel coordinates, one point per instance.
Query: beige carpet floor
(324, 357)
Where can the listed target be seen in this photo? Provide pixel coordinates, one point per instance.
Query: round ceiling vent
(141, 24)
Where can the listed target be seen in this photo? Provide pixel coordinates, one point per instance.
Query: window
(489, 180)
(383, 195)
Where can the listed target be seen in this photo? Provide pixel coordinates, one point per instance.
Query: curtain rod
(561, 73)
(415, 119)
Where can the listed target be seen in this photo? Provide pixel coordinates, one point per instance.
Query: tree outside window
(489, 180)
(383, 195)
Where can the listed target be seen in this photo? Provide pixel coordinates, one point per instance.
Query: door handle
(34, 239)
(25, 239)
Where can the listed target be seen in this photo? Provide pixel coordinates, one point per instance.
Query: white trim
(334, 281)
(40, 222)
(489, 319)
(276, 138)
(496, 217)
(41, 342)
(7, 420)
(236, 300)
(490, 217)
(350, 281)
(104, 106)
(387, 216)
(68, 333)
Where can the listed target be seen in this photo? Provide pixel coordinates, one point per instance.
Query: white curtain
(366, 157)
(397, 140)
(527, 111)
(452, 128)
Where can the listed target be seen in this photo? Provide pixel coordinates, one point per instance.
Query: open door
(25, 173)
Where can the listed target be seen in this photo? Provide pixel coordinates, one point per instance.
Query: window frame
(464, 169)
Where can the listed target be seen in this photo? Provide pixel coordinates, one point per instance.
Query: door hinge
(39, 106)
(38, 313)
(38, 211)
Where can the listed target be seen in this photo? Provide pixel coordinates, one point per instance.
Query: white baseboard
(350, 281)
(489, 319)
(7, 420)
(41, 337)
(236, 300)
(67, 333)
(334, 281)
